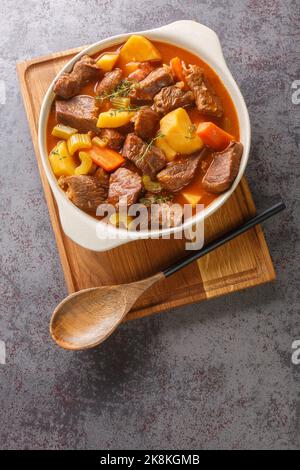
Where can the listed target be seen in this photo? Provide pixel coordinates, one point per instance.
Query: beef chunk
(79, 112)
(124, 183)
(86, 192)
(172, 97)
(69, 84)
(149, 160)
(114, 138)
(157, 79)
(223, 169)
(145, 123)
(162, 213)
(103, 177)
(109, 82)
(207, 101)
(141, 72)
(179, 173)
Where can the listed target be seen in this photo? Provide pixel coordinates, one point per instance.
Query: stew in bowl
(143, 122)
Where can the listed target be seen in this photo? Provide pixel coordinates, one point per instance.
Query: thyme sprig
(56, 152)
(113, 112)
(191, 130)
(156, 199)
(149, 146)
(121, 90)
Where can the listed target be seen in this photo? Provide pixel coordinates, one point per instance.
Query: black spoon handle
(278, 207)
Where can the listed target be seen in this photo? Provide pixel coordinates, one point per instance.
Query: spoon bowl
(86, 318)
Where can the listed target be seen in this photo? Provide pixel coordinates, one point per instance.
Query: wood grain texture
(244, 262)
(87, 318)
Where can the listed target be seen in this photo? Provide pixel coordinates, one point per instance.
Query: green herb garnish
(113, 112)
(122, 89)
(56, 152)
(149, 146)
(191, 130)
(156, 199)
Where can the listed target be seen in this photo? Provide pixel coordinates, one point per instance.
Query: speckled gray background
(211, 375)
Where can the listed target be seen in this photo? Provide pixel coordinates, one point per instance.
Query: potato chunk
(114, 118)
(62, 163)
(107, 62)
(163, 145)
(179, 132)
(138, 49)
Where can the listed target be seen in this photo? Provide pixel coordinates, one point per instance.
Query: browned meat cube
(172, 97)
(79, 112)
(162, 212)
(149, 159)
(86, 192)
(69, 84)
(124, 183)
(223, 169)
(155, 81)
(114, 138)
(146, 123)
(103, 177)
(179, 173)
(207, 101)
(143, 70)
(109, 82)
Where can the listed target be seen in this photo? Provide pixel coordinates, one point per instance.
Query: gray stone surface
(211, 375)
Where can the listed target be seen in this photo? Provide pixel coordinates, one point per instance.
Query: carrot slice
(105, 157)
(177, 70)
(213, 136)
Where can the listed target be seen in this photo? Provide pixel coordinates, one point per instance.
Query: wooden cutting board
(244, 262)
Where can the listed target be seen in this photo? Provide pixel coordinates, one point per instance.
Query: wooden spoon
(85, 319)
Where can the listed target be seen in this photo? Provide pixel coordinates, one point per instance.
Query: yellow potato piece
(120, 221)
(138, 49)
(163, 145)
(192, 199)
(62, 163)
(113, 118)
(178, 130)
(107, 62)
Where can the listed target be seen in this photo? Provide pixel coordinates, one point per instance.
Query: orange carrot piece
(177, 71)
(105, 157)
(213, 136)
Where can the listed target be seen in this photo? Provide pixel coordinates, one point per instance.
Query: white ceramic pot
(201, 41)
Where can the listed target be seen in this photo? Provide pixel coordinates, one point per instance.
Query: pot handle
(192, 31)
(83, 233)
